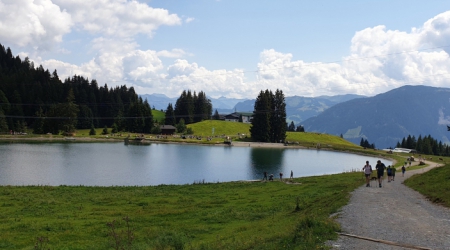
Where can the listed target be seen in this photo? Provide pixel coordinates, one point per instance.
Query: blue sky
(236, 48)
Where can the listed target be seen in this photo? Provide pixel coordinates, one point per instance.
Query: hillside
(387, 118)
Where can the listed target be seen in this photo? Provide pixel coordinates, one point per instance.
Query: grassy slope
(158, 115)
(220, 128)
(435, 184)
(239, 215)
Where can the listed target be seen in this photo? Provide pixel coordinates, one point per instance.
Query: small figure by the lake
(292, 175)
(271, 177)
(281, 176)
(265, 176)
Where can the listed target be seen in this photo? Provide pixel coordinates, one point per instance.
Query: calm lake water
(114, 164)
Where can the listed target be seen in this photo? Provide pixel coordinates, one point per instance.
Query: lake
(115, 164)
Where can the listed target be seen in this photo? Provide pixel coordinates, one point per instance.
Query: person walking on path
(389, 173)
(380, 167)
(403, 171)
(281, 176)
(265, 176)
(367, 172)
(416, 222)
(393, 172)
(292, 175)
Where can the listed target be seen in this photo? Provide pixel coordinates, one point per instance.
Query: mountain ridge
(387, 118)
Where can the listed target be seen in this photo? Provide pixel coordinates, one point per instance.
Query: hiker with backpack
(403, 170)
(367, 172)
(389, 173)
(380, 171)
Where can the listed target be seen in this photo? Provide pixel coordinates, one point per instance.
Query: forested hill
(35, 98)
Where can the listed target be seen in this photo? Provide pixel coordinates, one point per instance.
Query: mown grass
(205, 128)
(434, 184)
(237, 215)
(158, 115)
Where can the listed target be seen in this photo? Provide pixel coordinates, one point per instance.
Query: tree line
(365, 143)
(189, 108)
(269, 117)
(425, 145)
(32, 97)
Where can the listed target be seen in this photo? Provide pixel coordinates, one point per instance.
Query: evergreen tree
(181, 126)
(92, 131)
(278, 117)
(38, 125)
(114, 128)
(148, 117)
(105, 131)
(170, 115)
(260, 127)
(216, 115)
(291, 126)
(300, 128)
(3, 124)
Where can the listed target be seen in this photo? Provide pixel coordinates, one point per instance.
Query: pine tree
(260, 128)
(170, 115)
(216, 115)
(278, 117)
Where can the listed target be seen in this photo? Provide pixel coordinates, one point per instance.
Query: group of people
(281, 176)
(380, 167)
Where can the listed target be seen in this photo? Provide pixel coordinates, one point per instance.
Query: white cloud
(189, 19)
(380, 59)
(117, 18)
(37, 24)
(174, 53)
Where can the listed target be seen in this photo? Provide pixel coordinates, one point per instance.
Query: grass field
(434, 184)
(238, 215)
(158, 115)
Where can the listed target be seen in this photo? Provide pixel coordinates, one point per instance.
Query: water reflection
(107, 164)
(268, 160)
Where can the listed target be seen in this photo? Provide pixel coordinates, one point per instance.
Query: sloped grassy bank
(434, 184)
(236, 215)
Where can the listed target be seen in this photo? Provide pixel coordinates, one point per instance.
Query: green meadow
(237, 215)
(289, 214)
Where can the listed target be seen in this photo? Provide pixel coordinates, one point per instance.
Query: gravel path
(393, 213)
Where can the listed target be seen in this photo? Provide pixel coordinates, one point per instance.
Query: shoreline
(52, 139)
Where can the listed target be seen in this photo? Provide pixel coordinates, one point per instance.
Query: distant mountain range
(298, 108)
(384, 119)
(387, 118)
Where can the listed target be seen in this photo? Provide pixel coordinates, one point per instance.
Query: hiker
(292, 174)
(271, 177)
(367, 172)
(393, 172)
(265, 176)
(281, 176)
(403, 170)
(389, 173)
(380, 171)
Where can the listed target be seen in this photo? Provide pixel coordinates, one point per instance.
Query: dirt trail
(396, 215)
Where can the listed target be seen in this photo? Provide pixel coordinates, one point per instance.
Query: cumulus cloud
(174, 53)
(380, 60)
(117, 18)
(41, 24)
(38, 24)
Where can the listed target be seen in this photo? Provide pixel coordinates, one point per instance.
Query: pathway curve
(393, 213)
